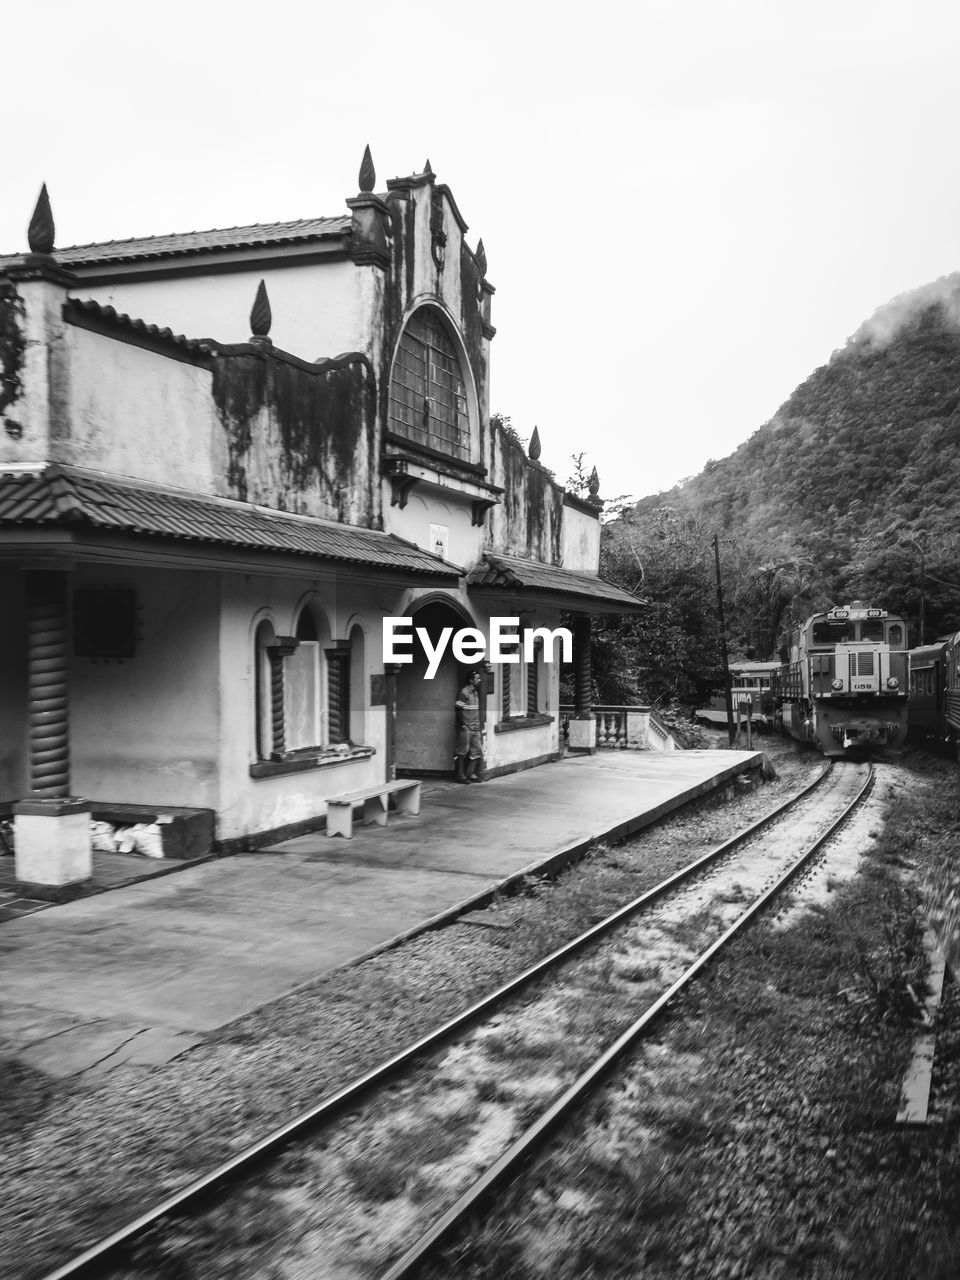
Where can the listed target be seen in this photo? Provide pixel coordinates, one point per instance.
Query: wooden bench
(375, 801)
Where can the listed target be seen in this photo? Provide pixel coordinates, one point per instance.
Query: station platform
(139, 974)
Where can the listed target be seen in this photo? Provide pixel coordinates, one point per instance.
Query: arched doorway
(424, 725)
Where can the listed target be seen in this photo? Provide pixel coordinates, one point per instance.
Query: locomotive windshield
(871, 629)
(835, 632)
(895, 636)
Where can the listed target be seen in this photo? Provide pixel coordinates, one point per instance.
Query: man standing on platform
(469, 747)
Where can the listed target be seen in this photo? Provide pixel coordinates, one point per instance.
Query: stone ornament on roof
(368, 174)
(261, 317)
(593, 487)
(533, 449)
(481, 256)
(41, 232)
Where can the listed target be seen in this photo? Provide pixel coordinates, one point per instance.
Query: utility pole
(727, 692)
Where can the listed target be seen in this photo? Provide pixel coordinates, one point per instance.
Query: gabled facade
(201, 535)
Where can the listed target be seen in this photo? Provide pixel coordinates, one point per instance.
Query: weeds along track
(450, 1117)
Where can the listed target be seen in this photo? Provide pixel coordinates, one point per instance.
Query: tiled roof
(530, 575)
(91, 309)
(193, 242)
(61, 496)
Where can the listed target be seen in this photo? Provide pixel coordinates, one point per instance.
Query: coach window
(428, 390)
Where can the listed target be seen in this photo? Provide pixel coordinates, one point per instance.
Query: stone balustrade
(627, 728)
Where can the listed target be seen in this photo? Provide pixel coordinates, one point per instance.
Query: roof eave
(519, 597)
(50, 543)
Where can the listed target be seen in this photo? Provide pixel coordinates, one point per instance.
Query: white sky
(686, 206)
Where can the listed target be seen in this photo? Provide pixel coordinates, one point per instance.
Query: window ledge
(303, 762)
(522, 722)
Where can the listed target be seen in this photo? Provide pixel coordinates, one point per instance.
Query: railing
(626, 728)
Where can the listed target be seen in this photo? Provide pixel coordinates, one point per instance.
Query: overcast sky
(686, 206)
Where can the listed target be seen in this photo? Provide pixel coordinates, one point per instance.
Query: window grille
(428, 401)
(861, 664)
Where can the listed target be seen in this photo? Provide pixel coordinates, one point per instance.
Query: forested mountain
(851, 490)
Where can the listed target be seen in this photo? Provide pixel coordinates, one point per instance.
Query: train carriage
(842, 682)
(751, 696)
(934, 708)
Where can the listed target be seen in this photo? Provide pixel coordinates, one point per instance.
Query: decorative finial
(427, 168)
(41, 231)
(533, 449)
(368, 175)
(481, 258)
(593, 484)
(261, 317)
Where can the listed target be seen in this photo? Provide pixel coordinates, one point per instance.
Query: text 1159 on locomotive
(842, 682)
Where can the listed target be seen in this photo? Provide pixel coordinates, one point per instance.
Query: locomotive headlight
(838, 684)
(893, 683)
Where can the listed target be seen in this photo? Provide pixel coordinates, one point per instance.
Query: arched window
(428, 398)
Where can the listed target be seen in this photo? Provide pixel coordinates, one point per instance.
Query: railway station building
(225, 458)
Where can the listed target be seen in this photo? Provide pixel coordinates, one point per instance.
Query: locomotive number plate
(862, 686)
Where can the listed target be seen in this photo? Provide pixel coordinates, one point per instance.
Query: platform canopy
(529, 582)
(59, 510)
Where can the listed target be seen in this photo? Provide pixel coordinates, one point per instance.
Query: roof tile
(65, 497)
(193, 242)
(531, 575)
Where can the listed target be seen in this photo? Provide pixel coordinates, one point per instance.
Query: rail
(472, 1202)
(95, 1260)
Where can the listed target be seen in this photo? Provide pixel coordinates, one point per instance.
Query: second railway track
(447, 1120)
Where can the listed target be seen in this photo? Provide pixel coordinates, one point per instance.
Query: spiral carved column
(583, 691)
(276, 652)
(47, 658)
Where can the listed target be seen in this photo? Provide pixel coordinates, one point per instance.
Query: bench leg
(375, 810)
(408, 801)
(340, 820)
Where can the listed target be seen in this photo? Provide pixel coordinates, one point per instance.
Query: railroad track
(681, 890)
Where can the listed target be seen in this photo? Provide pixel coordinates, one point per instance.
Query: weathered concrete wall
(298, 438)
(449, 510)
(529, 520)
(34, 389)
(145, 730)
(248, 423)
(580, 546)
(251, 804)
(318, 310)
(136, 412)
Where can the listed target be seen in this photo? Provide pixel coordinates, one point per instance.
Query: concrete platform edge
(556, 862)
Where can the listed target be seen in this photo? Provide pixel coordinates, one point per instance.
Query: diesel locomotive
(842, 682)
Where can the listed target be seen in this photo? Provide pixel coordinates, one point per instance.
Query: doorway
(424, 728)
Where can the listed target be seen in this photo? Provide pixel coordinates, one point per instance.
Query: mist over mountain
(858, 472)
